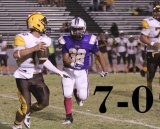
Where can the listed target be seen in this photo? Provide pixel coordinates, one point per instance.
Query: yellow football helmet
(37, 21)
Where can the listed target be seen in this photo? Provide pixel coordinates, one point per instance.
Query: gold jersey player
(31, 53)
(150, 35)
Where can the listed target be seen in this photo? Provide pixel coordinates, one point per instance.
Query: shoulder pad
(61, 40)
(92, 39)
(19, 41)
(145, 24)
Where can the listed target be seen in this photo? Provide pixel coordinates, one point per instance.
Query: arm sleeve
(51, 67)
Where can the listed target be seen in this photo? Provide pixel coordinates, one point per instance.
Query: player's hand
(77, 65)
(40, 46)
(157, 45)
(103, 74)
(64, 74)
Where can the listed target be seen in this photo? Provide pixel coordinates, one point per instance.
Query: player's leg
(25, 100)
(123, 54)
(129, 61)
(151, 69)
(82, 85)
(40, 91)
(68, 85)
(6, 64)
(118, 62)
(1, 65)
(134, 62)
(110, 59)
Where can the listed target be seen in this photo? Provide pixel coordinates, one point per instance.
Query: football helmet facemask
(37, 21)
(78, 28)
(156, 12)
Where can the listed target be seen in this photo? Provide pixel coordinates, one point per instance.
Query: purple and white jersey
(79, 50)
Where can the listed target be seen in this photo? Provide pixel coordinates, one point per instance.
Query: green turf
(88, 116)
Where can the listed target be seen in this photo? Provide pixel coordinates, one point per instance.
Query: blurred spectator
(110, 5)
(42, 2)
(131, 10)
(114, 30)
(149, 9)
(95, 5)
(65, 27)
(3, 56)
(59, 3)
(102, 6)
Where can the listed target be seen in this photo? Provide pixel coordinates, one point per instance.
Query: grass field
(88, 116)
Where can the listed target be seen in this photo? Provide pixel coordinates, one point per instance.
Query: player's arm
(144, 37)
(67, 60)
(101, 60)
(20, 51)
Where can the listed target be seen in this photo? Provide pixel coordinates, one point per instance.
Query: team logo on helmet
(78, 28)
(37, 21)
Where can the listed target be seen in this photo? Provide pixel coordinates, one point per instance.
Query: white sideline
(94, 115)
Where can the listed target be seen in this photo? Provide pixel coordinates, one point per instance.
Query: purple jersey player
(76, 49)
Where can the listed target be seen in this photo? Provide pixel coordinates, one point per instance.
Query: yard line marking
(4, 123)
(94, 115)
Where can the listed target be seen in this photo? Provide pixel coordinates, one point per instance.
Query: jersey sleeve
(145, 28)
(64, 49)
(95, 47)
(19, 43)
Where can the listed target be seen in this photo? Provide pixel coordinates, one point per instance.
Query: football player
(76, 53)
(31, 53)
(109, 46)
(3, 56)
(121, 43)
(132, 51)
(150, 35)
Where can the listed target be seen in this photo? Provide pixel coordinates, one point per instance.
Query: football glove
(77, 65)
(103, 74)
(64, 74)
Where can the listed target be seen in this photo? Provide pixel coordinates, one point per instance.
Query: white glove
(64, 74)
(77, 65)
(103, 74)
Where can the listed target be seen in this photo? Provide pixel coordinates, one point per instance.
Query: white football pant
(79, 79)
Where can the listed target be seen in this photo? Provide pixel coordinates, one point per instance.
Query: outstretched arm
(102, 62)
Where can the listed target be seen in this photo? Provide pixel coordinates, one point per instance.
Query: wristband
(72, 64)
(152, 43)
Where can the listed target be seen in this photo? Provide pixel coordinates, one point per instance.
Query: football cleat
(17, 127)
(27, 121)
(68, 120)
(81, 103)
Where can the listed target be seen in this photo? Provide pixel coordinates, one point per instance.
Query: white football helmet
(78, 28)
